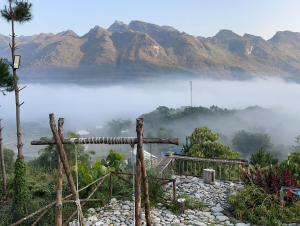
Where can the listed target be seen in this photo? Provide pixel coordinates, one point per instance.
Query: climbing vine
(21, 194)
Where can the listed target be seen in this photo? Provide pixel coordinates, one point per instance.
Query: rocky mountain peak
(68, 33)
(118, 26)
(226, 35)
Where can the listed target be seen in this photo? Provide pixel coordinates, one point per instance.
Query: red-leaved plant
(270, 179)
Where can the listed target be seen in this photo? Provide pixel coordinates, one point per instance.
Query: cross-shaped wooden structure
(141, 179)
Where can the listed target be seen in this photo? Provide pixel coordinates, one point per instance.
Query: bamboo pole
(58, 207)
(140, 154)
(4, 185)
(65, 163)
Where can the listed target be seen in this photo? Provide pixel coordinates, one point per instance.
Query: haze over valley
(89, 108)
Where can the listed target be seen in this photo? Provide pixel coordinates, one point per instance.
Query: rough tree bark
(137, 186)
(140, 150)
(4, 188)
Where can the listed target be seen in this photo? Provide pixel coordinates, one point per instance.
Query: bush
(263, 158)
(255, 205)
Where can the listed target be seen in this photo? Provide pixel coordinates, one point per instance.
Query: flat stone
(222, 218)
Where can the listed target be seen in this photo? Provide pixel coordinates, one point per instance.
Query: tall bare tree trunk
(140, 150)
(4, 188)
(137, 185)
(16, 88)
(58, 208)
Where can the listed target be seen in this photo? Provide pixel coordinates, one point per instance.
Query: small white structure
(149, 158)
(209, 176)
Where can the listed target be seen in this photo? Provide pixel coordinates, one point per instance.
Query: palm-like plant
(20, 12)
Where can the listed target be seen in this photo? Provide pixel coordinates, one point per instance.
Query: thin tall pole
(191, 92)
(58, 208)
(140, 151)
(16, 87)
(4, 188)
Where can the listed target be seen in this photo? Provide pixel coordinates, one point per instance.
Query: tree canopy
(247, 143)
(21, 12)
(204, 143)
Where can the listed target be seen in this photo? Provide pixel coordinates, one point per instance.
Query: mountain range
(140, 47)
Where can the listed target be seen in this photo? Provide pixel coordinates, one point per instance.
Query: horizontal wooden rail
(215, 160)
(107, 140)
(53, 203)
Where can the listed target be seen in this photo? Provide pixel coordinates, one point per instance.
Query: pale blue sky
(197, 17)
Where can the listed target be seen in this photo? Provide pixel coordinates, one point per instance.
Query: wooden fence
(226, 169)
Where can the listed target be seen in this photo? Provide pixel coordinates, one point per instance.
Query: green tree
(263, 158)
(204, 143)
(18, 11)
(247, 143)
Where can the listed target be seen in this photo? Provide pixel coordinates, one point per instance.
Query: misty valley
(227, 107)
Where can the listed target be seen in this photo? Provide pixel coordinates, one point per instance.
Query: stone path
(213, 196)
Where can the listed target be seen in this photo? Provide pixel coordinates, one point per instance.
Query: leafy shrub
(263, 158)
(255, 205)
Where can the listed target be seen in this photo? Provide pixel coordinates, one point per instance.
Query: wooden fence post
(58, 207)
(110, 185)
(174, 190)
(65, 163)
(140, 153)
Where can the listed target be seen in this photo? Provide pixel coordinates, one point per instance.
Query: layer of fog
(91, 106)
